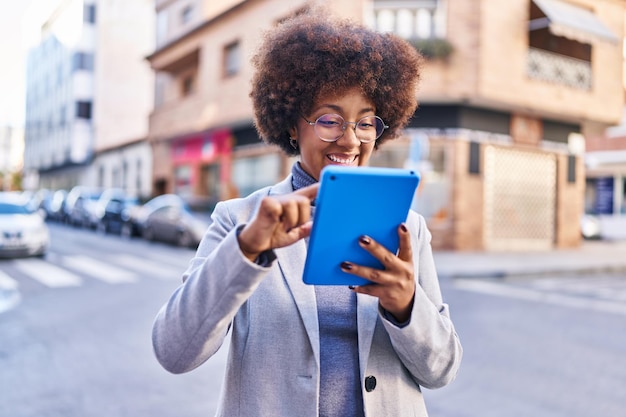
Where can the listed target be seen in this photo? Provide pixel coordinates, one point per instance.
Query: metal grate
(520, 193)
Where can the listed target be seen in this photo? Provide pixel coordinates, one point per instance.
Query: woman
(330, 92)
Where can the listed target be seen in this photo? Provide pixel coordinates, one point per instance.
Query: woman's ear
(293, 132)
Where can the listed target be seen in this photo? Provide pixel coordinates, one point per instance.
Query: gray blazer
(273, 364)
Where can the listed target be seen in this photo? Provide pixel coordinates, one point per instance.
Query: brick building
(508, 91)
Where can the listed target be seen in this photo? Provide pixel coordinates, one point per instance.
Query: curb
(503, 274)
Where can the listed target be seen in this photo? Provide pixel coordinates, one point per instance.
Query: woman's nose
(349, 138)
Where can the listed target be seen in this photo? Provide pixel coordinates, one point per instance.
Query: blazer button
(370, 383)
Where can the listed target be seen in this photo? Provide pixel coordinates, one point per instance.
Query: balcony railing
(559, 69)
(409, 19)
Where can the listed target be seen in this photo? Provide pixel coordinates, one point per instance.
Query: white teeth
(339, 160)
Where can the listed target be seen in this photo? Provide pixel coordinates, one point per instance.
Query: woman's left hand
(395, 284)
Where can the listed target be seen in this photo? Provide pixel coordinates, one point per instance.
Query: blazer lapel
(291, 263)
(366, 316)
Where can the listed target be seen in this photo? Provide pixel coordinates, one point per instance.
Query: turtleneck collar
(299, 178)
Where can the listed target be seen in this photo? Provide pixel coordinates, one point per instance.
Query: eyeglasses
(331, 127)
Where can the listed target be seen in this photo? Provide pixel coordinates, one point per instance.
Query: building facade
(11, 156)
(509, 90)
(89, 93)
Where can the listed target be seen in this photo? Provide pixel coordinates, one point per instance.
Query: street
(76, 341)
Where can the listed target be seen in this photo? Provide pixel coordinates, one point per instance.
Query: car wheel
(184, 239)
(148, 233)
(126, 230)
(101, 228)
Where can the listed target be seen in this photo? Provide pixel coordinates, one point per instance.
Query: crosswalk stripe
(6, 282)
(99, 269)
(9, 293)
(47, 274)
(149, 268)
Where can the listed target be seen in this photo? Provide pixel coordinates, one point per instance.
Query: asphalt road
(77, 341)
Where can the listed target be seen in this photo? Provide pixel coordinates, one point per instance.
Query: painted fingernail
(351, 287)
(346, 265)
(403, 228)
(365, 240)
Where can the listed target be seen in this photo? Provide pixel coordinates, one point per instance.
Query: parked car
(590, 227)
(169, 218)
(56, 210)
(113, 209)
(80, 206)
(136, 216)
(23, 231)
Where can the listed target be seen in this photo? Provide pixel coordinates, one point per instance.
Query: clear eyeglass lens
(330, 127)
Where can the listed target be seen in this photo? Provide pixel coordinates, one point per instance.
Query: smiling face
(315, 154)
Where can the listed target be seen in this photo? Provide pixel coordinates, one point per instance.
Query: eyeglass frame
(345, 125)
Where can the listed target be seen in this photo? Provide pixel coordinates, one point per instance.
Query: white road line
(148, 268)
(99, 269)
(6, 282)
(9, 293)
(504, 290)
(47, 274)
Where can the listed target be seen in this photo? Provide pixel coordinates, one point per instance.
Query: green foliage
(432, 48)
(16, 180)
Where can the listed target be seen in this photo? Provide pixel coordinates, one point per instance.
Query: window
(62, 116)
(83, 109)
(161, 27)
(82, 61)
(89, 13)
(138, 177)
(188, 84)
(252, 173)
(186, 14)
(232, 59)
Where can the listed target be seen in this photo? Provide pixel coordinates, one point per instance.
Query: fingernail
(351, 287)
(346, 265)
(365, 240)
(403, 228)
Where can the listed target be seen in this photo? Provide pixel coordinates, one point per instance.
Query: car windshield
(9, 208)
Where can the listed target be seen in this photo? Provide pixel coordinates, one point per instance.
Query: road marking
(10, 296)
(150, 268)
(6, 282)
(99, 269)
(47, 274)
(505, 290)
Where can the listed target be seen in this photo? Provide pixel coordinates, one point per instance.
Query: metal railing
(559, 69)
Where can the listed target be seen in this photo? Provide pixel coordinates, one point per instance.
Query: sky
(18, 21)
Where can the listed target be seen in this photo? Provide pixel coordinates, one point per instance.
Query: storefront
(202, 165)
(605, 192)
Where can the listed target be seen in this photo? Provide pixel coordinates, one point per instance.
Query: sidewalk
(591, 257)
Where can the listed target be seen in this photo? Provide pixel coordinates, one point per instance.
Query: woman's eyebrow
(339, 109)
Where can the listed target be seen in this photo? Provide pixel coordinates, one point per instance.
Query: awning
(572, 22)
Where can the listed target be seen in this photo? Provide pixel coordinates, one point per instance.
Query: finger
(290, 214)
(405, 251)
(296, 210)
(371, 274)
(377, 250)
(309, 192)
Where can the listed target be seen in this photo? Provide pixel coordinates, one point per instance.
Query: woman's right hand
(280, 221)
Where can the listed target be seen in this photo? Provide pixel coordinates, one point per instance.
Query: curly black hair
(312, 56)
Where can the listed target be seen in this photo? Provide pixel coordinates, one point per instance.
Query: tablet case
(351, 202)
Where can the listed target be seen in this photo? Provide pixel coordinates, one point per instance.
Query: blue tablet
(355, 201)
